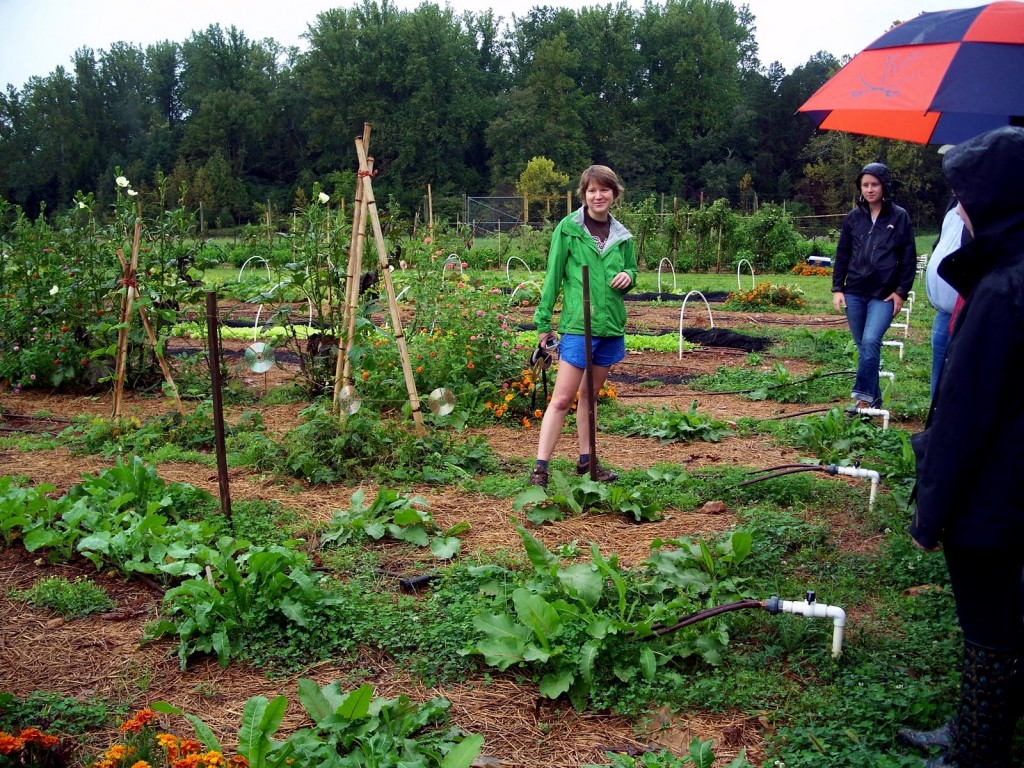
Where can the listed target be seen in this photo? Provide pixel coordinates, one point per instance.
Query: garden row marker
(343, 368)
(131, 292)
(591, 395)
(385, 273)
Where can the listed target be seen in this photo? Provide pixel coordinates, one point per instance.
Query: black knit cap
(881, 172)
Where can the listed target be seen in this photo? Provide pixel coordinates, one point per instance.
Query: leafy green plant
(669, 425)
(700, 755)
(396, 515)
(564, 497)
(241, 594)
(354, 728)
(592, 622)
(53, 711)
(70, 599)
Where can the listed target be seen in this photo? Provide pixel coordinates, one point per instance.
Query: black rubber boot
(982, 732)
(940, 737)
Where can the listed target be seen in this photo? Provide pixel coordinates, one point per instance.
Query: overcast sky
(38, 35)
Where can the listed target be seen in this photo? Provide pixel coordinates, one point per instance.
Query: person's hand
(923, 548)
(621, 281)
(897, 303)
(839, 301)
(542, 339)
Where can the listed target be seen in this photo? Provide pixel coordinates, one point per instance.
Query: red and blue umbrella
(939, 78)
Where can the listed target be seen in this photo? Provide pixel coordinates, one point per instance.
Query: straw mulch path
(100, 656)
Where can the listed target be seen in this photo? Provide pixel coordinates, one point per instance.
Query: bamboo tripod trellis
(131, 292)
(367, 207)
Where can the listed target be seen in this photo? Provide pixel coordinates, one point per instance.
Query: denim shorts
(604, 350)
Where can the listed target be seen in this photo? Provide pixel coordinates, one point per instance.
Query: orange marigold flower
(538, 413)
(509, 397)
(116, 752)
(526, 422)
(470, 365)
(366, 375)
(419, 369)
(190, 747)
(141, 764)
(238, 762)
(9, 743)
(34, 735)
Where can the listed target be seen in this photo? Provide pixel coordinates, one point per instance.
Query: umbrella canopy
(940, 78)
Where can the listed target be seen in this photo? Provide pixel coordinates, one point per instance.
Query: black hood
(987, 176)
(881, 172)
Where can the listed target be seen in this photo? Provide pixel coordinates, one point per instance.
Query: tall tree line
(672, 95)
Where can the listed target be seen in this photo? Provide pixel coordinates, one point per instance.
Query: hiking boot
(539, 476)
(602, 476)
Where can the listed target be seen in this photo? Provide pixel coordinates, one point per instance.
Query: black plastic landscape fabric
(723, 337)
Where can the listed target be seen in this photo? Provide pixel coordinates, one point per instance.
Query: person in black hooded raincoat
(874, 270)
(971, 452)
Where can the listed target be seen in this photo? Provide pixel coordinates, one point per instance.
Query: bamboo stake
(130, 292)
(161, 359)
(396, 319)
(343, 369)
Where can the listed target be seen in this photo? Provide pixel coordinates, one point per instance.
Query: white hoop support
(453, 258)
(508, 278)
(753, 280)
(682, 311)
(668, 261)
(246, 262)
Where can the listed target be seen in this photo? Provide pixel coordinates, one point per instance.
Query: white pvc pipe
(876, 412)
(887, 375)
(860, 472)
(819, 611)
(894, 344)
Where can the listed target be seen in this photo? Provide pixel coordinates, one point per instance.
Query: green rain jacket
(572, 247)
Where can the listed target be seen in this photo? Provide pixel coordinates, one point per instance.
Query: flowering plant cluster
(460, 339)
(31, 747)
(143, 745)
(809, 270)
(767, 296)
(62, 282)
(523, 400)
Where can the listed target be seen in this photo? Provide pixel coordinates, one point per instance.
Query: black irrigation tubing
(703, 615)
(781, 472)
(800, 413)
(785, 384)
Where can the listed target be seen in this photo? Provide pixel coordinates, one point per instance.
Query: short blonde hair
(601, 175)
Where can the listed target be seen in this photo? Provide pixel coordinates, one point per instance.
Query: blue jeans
(940, 340)
(868, 319)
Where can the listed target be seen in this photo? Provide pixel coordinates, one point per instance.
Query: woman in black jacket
(874, 270)
(971, 453)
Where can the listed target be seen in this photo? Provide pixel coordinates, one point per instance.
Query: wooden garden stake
(385, 274)
(430, 212)
(591, 394)
(131, 292)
